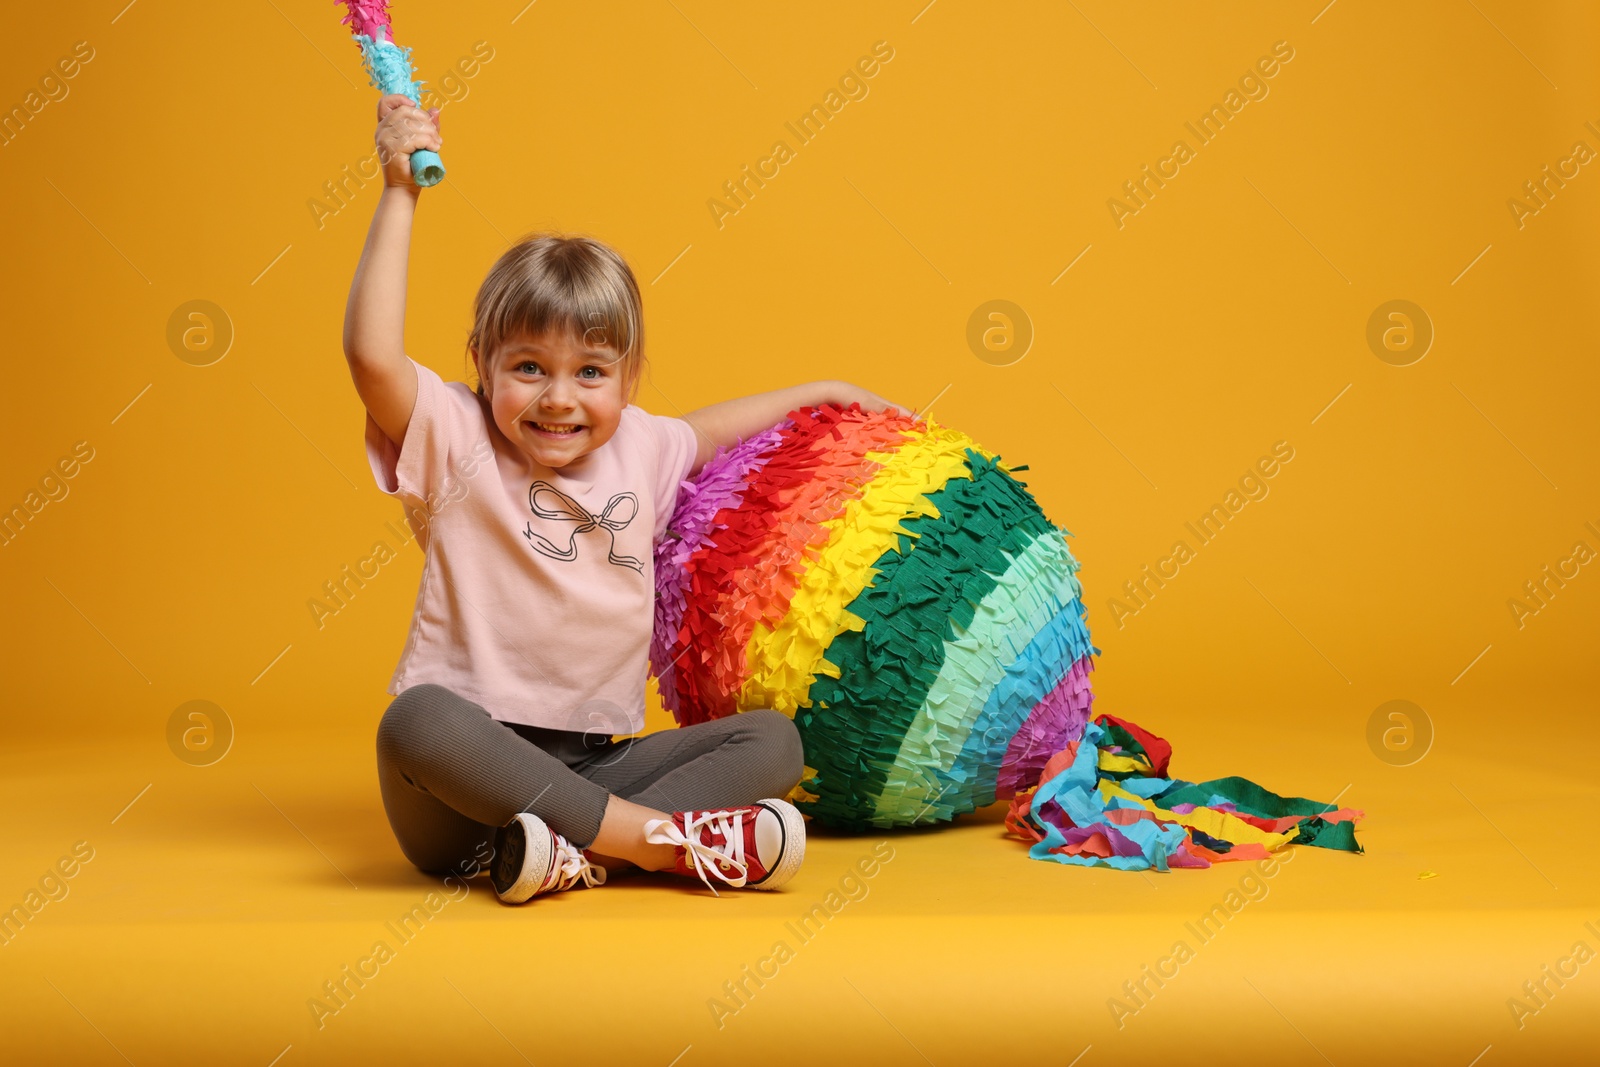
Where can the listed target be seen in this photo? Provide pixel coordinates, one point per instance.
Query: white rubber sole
(524, 850)
(793, 852)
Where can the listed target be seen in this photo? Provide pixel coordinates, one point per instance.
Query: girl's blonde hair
(554, 284)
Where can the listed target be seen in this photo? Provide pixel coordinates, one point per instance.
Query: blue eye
(596, 376)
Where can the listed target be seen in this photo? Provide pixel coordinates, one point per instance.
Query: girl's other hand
(844, 394)
(403, 127)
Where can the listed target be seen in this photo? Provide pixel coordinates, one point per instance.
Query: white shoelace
(572, 865)
(704, 857)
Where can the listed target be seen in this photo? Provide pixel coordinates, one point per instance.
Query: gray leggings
(450, 774)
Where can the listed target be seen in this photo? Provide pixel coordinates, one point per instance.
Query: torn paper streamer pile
(891, 585)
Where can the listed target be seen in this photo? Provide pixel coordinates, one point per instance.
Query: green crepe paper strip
(1244, 794)
(975, 660)
(912, 600)
(852, 724)
(1036, 587)
(1252, 799)
(967, 535)
(1319, 834)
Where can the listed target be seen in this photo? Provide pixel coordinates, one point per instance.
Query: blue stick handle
(426, 167)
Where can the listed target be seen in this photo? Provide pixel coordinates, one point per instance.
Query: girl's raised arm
(374, 317)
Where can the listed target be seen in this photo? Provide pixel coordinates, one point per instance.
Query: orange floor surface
(218, 901)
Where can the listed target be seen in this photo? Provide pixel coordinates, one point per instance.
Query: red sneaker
(758, 846)
(530, 858)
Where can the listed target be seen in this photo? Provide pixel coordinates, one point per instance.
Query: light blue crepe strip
(1077, 791)
(976, 676)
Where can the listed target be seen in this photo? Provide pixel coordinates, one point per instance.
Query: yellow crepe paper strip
(1220, 824)
(1134, 764)
(785, 660)
(762, 590)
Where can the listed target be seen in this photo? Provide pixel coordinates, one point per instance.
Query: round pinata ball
(891, 585)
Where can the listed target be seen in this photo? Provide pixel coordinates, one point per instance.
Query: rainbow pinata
(891, 585)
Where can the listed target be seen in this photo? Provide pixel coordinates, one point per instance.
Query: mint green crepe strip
(1036, 586)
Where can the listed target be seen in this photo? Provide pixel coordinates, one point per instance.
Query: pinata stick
(389, 70)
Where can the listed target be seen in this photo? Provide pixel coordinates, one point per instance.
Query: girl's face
(553, 397)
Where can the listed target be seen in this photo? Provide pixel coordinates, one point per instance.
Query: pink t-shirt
(537, 596)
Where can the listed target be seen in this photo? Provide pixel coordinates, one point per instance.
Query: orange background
(1226, 315)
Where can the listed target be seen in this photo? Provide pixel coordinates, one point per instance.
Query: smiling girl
(525, 665)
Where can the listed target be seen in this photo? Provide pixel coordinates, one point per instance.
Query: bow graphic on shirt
(569, 510)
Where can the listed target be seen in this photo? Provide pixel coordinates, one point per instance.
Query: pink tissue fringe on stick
(368, 17)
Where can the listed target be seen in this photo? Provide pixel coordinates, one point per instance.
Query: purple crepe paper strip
(720, 484)
(1054, 722)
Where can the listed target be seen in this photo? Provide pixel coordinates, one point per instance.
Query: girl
(536, 500)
